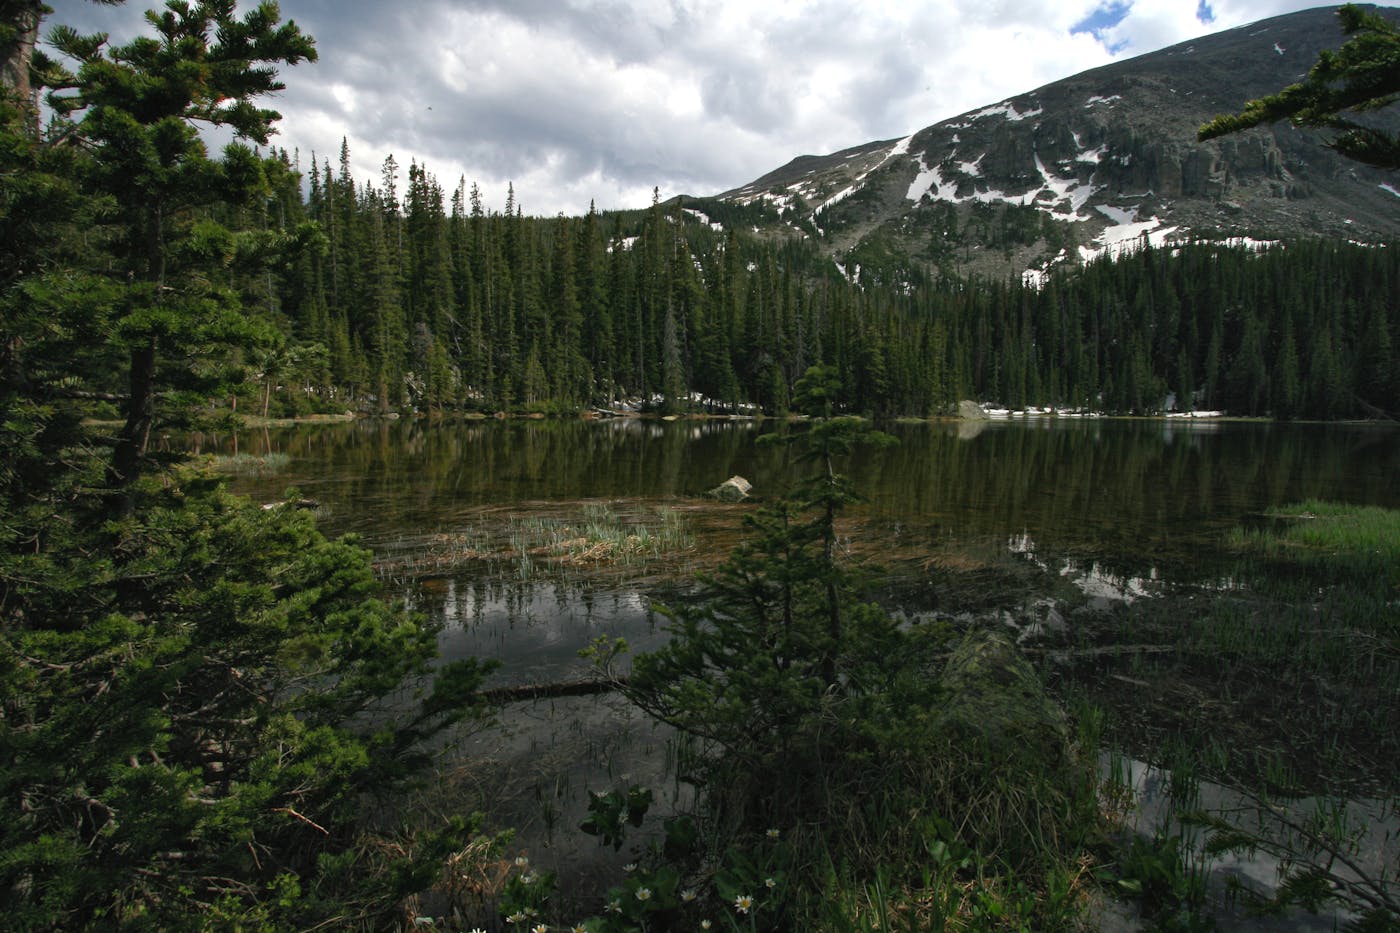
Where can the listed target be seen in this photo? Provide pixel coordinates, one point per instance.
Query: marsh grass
(600, 535)
(955, 840)
(1320, 613)
(250, 464)
(594, 539)
(1283, 684)
(1297, 658)
(946, 896)
(1321, 543)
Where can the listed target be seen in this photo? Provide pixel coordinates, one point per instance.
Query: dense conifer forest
(421, 300)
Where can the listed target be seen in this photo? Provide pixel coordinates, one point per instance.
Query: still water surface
(1130, 494)
(1117, 499)
(1118, 507)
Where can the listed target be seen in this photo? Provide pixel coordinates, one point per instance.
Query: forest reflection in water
(1036, 523)
(1128, 495)
(1115, 505)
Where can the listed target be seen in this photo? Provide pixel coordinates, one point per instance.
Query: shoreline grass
(596, 538)
(250, 464)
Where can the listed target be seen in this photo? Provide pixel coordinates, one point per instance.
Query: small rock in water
(734, 489)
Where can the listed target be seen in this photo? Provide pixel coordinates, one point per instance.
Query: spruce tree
(185, 727)
(137, 107)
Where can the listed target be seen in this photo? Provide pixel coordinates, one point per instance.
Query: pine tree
(594, 307)
(1378, 378)
(137, 108)
(573, 378)
(166, 765)
(1287, 386)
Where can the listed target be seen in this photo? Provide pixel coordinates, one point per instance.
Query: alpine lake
(1110, 549)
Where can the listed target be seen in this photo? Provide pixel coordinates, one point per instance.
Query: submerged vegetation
(595, 538)
(1284, 686)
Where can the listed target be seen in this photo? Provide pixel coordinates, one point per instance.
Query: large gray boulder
(734, 489)
(970, 411)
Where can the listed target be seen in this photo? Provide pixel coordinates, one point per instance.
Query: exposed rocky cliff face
(1086, 164)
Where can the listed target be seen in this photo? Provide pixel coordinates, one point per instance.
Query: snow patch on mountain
(704, 218)
(1125, 233)
(1060, 197)
(1064, 190)
(1092, 156)
(1005, 109)
(838, 197)
(928, 181)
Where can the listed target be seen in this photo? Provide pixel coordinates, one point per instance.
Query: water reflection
(1102, 586)
(1115, 510)
(536, 628)
(1119, 508)
(1116, 488)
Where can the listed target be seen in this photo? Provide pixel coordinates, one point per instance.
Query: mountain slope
(1088, 163)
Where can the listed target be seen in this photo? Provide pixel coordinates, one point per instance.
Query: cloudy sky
(579, 100)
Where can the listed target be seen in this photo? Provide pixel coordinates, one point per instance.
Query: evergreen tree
(595, 309)
(137, 107)
(184, 728)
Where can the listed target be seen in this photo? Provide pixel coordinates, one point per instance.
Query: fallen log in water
(1100, 651)
(567, 688)
(583, 688)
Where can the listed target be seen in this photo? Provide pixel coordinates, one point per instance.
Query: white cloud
(579, 100)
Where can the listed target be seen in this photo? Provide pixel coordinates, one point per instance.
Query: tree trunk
(140, 414)
(141, 404)
(15, 57)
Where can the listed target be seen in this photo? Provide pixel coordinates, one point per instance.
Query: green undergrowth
(850, 772)
(847, 778)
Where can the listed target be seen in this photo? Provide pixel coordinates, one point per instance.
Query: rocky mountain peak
(1088, 164)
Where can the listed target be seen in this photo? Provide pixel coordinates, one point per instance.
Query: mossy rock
(995, 698)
